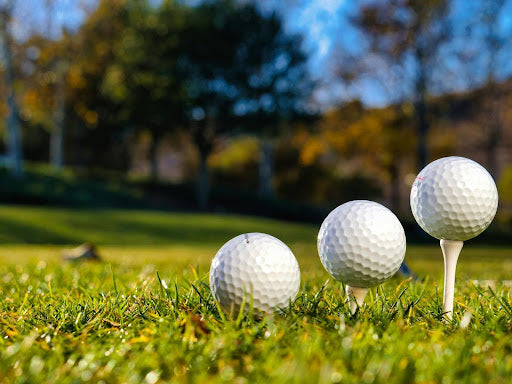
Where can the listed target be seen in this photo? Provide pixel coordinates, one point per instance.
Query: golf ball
(454, 198)
(361, 243)
(257, 267)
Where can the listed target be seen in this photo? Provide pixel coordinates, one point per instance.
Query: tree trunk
(204, 137)
(266, 168)
(14, 133)
(492, 147)
(153, 157)
(57, 135)
(13, 121)
(495, 42)
(494, 126)
(56, 147)
(203, 184)
(422, 124)
(395, 187)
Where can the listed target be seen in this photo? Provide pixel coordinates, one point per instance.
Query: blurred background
(283, 109)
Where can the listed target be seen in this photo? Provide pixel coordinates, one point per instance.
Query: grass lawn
(147, 315)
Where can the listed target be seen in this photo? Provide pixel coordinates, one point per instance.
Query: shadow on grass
(24, 232)
(37, 225)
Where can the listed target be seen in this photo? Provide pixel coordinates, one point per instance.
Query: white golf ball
(361, 243)
(257, 267)
(454, 198)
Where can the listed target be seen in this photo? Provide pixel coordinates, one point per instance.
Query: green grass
(147, 314)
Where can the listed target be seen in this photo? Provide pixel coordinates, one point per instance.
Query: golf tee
(356, 296)
(451, 251)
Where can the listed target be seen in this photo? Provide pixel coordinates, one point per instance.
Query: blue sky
(318, 21)
(321, 23)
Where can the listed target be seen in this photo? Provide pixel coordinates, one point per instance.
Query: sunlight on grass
(146, 314)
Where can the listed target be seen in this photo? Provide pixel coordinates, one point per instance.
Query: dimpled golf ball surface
(361, 243)
(257, 265)
(454, 198)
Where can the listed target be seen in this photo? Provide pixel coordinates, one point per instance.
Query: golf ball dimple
(257, 267)
(361, 243)
(454, 198)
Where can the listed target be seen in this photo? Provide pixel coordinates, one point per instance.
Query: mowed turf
(147, 315)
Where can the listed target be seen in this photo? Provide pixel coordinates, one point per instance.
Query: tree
(494, 42)
(407, 36)
(143, 79)
(13, 119)
(243, 73)
(96, 136)
(278, 89)
(212, 37)
(484, 50)
(43, 101)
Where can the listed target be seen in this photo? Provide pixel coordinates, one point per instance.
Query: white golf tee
(451, 251)
(356, 296)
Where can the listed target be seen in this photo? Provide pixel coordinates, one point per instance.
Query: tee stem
(356, 296)
(451, 251)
